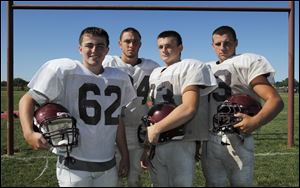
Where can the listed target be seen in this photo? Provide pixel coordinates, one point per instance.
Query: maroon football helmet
(156, 114)
(224, 119)
(57, 126)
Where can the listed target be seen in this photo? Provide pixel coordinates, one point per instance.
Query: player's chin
(164, 57)
(223, 57)
(94, 62)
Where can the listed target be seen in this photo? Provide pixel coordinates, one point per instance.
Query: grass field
(276, 165)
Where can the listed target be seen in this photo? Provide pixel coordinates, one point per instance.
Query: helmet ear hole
(224, 119)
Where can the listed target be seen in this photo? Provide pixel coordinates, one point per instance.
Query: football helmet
(224, 119)
(57, 126)
(156, 114)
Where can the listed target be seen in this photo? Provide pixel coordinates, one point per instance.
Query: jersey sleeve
(47, 81)
(195, 72)
(130, 94)
(108, 61)
(258, 65)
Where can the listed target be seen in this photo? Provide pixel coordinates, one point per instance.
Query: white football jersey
(138, 108)
(168, 83)
(234, 76)
(95, 101)
(139, 74)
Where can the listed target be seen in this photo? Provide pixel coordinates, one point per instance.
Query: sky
(42, 35)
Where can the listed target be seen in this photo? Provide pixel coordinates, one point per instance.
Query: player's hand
(123, 167)
(37, 141)
(144, 160)
(247, 124)
(147, 155)
(152, 134)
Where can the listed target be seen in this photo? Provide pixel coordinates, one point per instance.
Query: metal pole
(290, 10)
(291, 46)
(10, 85)
(164, 8)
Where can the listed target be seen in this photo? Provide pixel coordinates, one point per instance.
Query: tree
(283, 85)
(20, 83)
(3, 83)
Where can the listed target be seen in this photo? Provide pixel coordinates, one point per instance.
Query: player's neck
(132, 61)
(172, 62)
(221, 61)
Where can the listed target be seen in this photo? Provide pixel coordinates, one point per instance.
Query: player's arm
(26, 111)
(122, 146)
(273, 104)
(180, 115)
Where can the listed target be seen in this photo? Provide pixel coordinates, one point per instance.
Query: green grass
(280, 170)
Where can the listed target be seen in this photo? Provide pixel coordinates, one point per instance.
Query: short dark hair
(225, 29)
(170, 33)
(95, 31)
(130, 29)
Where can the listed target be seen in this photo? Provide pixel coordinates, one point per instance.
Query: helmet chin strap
(68, 152)
(68, 148)
(63, 148)
(44, 169)
(231, 151)
(67, 159)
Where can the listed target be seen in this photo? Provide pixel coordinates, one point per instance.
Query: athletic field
(276, 165)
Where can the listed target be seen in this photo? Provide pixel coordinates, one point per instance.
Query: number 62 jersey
(95, 101)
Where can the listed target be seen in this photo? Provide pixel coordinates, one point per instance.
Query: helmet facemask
(61, 132)
(224, 119)
(58, 127)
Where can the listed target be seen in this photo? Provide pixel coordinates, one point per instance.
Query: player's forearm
(26, 110)
(121, 139)
(176, 118)
(273, 102)
(270, 110)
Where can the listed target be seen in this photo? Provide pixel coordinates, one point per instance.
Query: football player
(139, 69)
(184, 83)
(94, 96)
(228, 155)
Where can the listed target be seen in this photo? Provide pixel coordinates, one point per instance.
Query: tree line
(18, 83)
